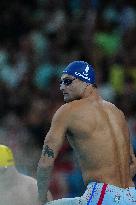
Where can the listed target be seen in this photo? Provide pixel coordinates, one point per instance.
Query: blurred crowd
(38, 38)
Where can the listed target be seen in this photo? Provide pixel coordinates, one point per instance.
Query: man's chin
(67, 100)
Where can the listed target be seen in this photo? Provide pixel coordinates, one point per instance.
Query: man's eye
(66, 81)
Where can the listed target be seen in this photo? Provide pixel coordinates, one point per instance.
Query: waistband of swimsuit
(91, 184)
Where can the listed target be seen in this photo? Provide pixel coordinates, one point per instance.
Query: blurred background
(38, 38)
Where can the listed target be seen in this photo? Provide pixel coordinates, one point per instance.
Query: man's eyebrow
(65, 77)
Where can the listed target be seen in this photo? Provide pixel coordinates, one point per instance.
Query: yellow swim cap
(6, 156)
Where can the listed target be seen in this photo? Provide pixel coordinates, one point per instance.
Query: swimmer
(16, 188)
(98, 133)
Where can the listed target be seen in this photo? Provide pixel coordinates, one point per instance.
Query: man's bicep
(56, 135)
(52, 144)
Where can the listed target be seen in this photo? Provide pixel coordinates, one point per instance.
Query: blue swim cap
(81, 70)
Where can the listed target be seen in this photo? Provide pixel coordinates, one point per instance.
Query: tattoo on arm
(47, 151)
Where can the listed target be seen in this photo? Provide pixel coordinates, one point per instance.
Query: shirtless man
(98, 133)
(15, 188)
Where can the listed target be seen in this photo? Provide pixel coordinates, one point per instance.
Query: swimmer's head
(75, 78)
(6, 157)
(81, 70)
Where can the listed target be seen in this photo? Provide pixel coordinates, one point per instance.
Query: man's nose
(62, 86)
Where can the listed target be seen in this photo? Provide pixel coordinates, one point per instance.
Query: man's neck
(90, 92)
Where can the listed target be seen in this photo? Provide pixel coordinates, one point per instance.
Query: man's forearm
(43, 176)
(44, 170)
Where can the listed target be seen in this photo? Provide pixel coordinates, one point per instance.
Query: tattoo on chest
(48, 151)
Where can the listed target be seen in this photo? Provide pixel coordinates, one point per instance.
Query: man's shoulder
(114, 108)
(67, 107)
(61, 113)
(65, 110)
